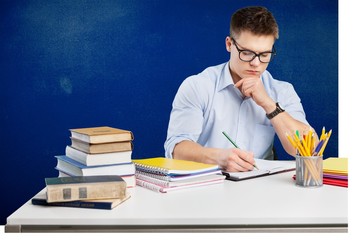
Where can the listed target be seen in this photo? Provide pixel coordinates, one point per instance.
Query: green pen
(233, 143)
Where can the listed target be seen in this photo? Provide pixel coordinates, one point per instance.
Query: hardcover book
(89, 159)
(129, 179)
(101, 147)
(75, 168)
(64, 189)
(102, 134)
(109, 204)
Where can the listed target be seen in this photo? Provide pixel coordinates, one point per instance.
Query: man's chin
(251, 74)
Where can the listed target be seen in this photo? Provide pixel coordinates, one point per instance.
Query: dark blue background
(73, 63)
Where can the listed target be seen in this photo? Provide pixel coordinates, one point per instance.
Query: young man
(239, 97)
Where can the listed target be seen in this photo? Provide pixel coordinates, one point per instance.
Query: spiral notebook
(172, 167)
(213, 179)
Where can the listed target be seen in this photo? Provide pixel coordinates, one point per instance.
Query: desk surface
(271, 202)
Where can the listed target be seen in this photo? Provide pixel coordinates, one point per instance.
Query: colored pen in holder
(309, 157)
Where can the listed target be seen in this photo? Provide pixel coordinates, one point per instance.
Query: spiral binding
(149, 178)
(153, 175)
(150, 169)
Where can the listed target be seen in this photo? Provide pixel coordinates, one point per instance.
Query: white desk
(265, 204)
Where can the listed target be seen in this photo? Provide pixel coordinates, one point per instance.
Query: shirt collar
(226, 80)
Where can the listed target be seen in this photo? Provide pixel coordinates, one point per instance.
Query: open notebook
(266, 167)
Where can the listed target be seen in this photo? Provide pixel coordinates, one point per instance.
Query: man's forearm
(284, 123)
(188, 150)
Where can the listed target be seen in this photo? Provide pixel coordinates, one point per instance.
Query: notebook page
(265, 167)
(275, 166)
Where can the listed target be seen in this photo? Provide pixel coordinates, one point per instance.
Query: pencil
(325, 143)
(309, 140)
(233, 143)
(291, 140)
(303, 151)
(322, 137)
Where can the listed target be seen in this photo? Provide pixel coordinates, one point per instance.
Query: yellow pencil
(299, 146)
(302, 146)
(325, 143)
(305, 144)
(290, 140)
(312, 144)
(322, 134)
(309, 140)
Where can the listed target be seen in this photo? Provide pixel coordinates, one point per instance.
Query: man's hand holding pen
(236, 160)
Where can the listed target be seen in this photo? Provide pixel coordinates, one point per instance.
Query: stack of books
(98, 151)
(335, 172)
(101, 192)
(164, 175)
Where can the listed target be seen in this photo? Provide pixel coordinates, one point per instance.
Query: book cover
(129, 179)
(102, 134)
(332, 181)
(101, 147)
(336, 166)
(75, 168)
(336, 182)
(63, 189)
(167, 166)
(94, 204)
(99, 158)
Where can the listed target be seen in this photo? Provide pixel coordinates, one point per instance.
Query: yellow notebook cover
(335, 165)
(162, 165)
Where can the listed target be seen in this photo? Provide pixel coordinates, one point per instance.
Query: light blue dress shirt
(208, 104)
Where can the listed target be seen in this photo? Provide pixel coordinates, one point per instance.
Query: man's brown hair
(257, 20)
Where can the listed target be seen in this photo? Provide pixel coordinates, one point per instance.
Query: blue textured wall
(73, 63)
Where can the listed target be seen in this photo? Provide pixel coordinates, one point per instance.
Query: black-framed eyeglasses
(248, 55)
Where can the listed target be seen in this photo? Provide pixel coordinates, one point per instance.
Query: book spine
(76, 155)
(74, 192)
(149, 185)
(75, 204)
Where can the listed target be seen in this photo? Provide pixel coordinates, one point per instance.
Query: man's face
(248, 41)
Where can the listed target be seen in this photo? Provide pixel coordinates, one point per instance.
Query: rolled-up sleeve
(186, 118)
(292, 102)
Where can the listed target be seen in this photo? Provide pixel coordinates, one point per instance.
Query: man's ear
(228, 43)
